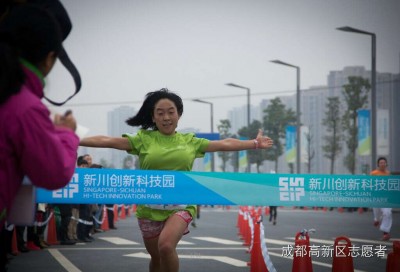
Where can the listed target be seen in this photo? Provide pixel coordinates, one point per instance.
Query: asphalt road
(215, 246)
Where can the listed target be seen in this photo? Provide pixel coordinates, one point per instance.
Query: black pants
(110, 215)
(272, 213)
(65, 214)
(83, 230)
(5, 247)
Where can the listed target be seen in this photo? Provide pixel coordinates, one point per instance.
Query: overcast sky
(126, 48)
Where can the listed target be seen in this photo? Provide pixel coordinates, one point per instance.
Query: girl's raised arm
(120, 143)
(230, 144)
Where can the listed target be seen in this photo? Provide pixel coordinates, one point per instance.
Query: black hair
(95, 165)
(26, 32)
(381, 158)
(80, 161)
(144, 117)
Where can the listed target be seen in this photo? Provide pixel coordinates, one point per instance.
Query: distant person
(160, 147)
(110, 216)
(273, 212)
(96, 210)
(73, 222)
(194, 225)
(30, 143)
(382, 216)
(85, 210)
(88, 158)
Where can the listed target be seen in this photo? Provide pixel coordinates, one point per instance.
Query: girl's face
(165, 116)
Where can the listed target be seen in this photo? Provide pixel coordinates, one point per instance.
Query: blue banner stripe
(118, 186)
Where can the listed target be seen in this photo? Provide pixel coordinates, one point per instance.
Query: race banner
(118, 186)
(208, 156)
(207, 162)
(364, 132)
(383, 132)
(243, 160)
(290, 147)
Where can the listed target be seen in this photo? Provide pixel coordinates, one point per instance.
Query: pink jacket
(31, 145)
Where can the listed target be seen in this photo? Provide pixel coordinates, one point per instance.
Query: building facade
(116, 126)
(313, 108)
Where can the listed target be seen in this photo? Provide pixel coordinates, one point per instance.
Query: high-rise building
(116, 126)
(387, 97)
(239, 114)
(313, 108)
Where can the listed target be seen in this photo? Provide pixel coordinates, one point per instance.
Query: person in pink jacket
(31, 144)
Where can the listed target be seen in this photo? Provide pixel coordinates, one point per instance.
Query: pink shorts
(151, 229)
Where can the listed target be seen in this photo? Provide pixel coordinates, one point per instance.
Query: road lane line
(218, 240)
(223, 259)
(278, 242)
(181, 242)
(313, 262)
(118, 241)
(63, 261)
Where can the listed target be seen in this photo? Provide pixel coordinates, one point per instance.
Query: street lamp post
(373, 86)
(248, 110)
(212, 126)
(298, 142)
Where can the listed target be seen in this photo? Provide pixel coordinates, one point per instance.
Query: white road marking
(218, 240)
(223, 259)
(118, 241)
(313, 262)
(365, 241)
(278, 242)
(181, 242)
(63, 261)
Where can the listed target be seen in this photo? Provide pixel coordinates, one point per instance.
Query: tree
(310, 150)
(276, 118)
(223, 129)
(235, 158)
(356, 97)
(333, 144)
(254, 156)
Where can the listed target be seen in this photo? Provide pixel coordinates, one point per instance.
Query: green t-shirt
(165, 152)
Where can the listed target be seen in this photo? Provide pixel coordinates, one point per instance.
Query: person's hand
(67, 120)
(263, 141)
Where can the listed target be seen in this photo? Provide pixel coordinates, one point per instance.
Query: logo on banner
(291, 188)
(69, 190)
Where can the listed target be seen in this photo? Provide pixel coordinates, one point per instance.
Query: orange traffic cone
(123, 212)
(301, 256)
(342, 259)
(134, 208)
(14, 245)
(257, 263)
(360, 210)
(393, 258)
(244, 226)
(115, 213)
(243, 223)
(51, 238)
(104, 225)
(239, 219)
(128, 211)
(247, 230)
(266, 210)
